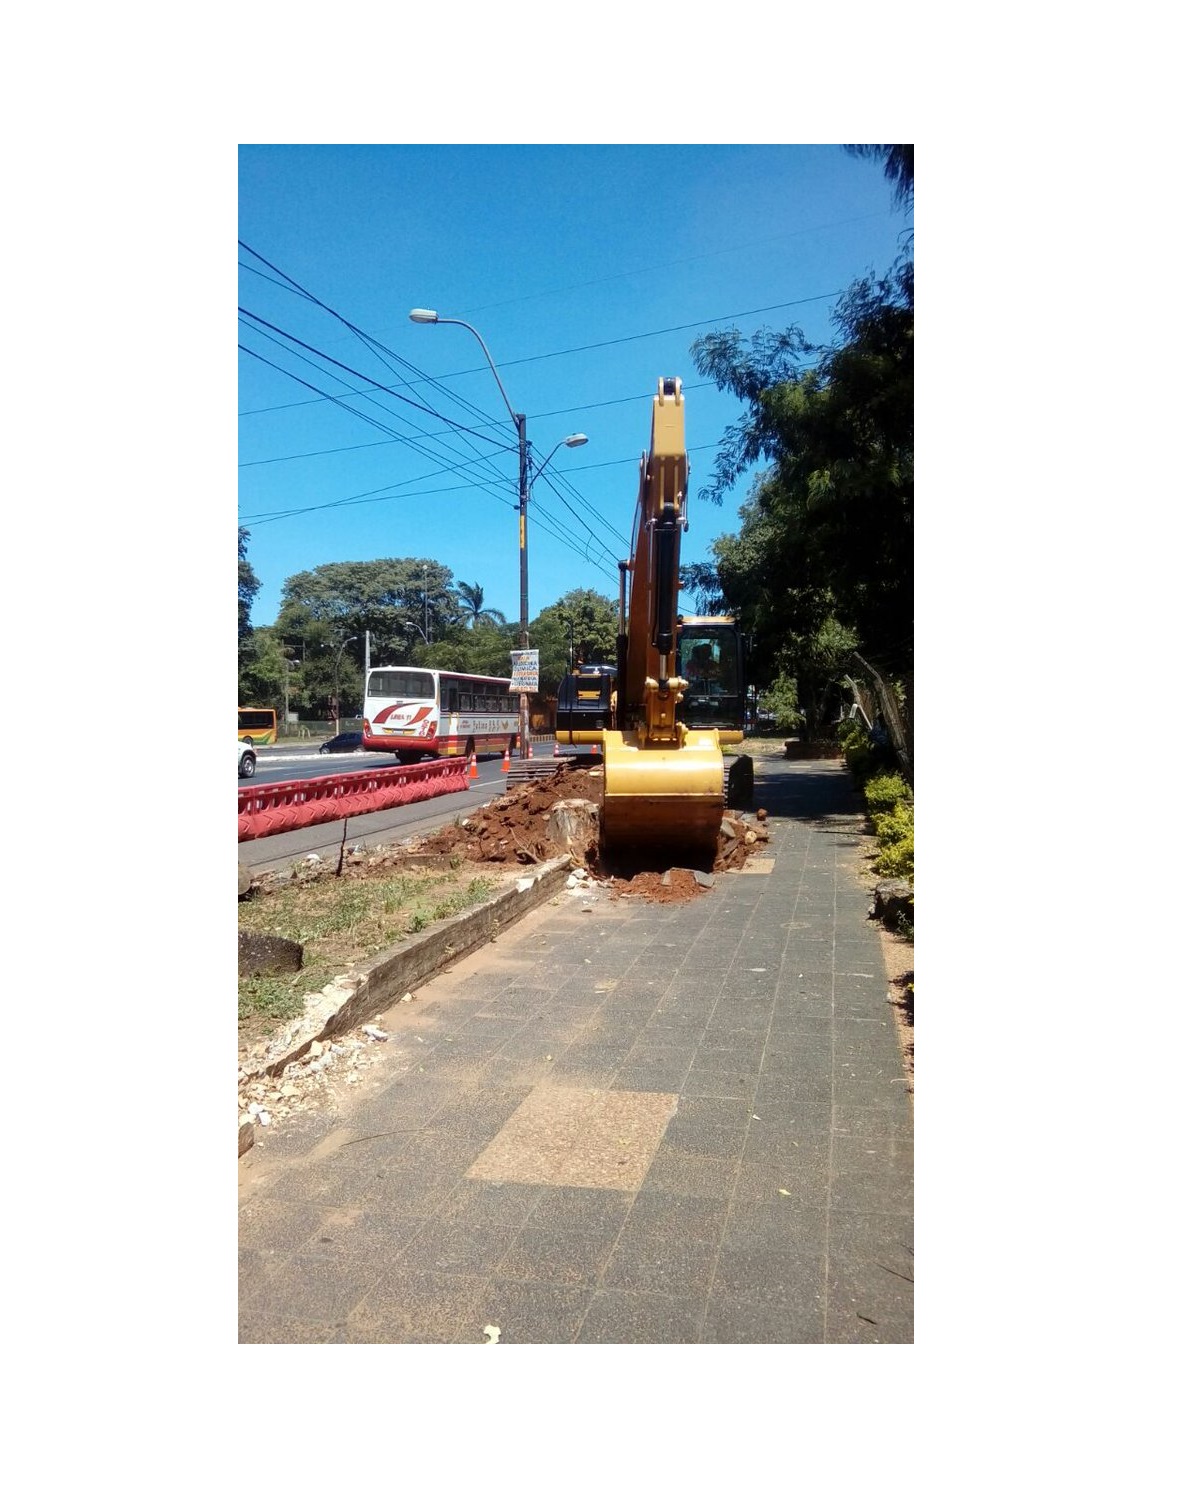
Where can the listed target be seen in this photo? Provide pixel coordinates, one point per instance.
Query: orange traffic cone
(471, 771)
(594, 752)
(530, 752)
(505, 763)
(556, 751)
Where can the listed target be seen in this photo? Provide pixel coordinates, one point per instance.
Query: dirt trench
(520, 829)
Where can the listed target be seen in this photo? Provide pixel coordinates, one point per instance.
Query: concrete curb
(379, 983)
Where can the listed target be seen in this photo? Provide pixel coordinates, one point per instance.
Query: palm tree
(471, 605)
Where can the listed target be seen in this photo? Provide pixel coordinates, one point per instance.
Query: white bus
(419, 712)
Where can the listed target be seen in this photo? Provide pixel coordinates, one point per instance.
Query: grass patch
(340, 921)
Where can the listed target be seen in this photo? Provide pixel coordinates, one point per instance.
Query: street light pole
(288, 667)
(337, 660)
(425, 317)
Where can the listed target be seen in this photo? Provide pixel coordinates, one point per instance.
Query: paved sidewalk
(636, 1123)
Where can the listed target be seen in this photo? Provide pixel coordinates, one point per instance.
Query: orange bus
(257, 727)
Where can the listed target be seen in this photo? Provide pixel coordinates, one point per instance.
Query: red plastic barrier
(283, 806)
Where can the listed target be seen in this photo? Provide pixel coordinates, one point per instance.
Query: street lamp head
(576, 440)
(422, 316)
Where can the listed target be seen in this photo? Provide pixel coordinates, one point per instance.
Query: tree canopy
(823, 562)
(581, 627)
(248, 585)
(898, 164)
(317, 641)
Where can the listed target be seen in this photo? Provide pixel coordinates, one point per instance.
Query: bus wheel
(248, 740)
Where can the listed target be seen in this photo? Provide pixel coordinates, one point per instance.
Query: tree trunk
(887, 703)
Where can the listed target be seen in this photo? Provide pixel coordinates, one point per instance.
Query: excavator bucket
(669, 798)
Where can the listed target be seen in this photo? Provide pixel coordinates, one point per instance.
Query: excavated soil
(518, 829)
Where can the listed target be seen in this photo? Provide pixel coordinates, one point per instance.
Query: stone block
(261, 953)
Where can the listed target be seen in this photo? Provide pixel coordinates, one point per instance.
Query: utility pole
(523, 578)
(426, 317)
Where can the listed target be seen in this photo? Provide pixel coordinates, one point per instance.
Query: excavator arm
(650, 693)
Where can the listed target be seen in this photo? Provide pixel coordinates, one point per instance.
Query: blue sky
(588, 270)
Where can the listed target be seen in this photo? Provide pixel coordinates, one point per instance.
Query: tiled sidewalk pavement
(637, 1124)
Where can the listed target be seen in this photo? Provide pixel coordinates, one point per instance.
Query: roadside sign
(524, 667)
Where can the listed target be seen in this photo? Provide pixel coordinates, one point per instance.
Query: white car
(246, 760)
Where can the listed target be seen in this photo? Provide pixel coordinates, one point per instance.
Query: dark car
(349, 740)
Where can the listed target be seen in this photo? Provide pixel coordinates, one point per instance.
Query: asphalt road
(290, 764)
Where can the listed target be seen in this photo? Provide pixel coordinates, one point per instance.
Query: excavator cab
(585, 704)
(709, 657)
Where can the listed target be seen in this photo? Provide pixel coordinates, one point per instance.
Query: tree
(391, 598)
(898, 161)
(838, 498)
(261, 670)
(248, 585)
(702, 581)
(581, 627)
(471, 605)
(824, 557)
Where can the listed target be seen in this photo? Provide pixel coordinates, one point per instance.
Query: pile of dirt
(516, 829)
(513, 829)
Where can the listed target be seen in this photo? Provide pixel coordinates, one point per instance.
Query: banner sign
(524, 666)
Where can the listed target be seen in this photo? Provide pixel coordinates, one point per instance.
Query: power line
(461, 431)
(424, 408)
(599, 542)
(403, 439)
(590, 347)
(340, 502)
(371, 342)
(687, 326)
(543, 415)
(675, 263)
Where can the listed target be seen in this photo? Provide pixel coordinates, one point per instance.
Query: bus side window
(453, 700)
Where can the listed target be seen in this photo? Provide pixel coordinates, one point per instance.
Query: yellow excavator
(678, 696)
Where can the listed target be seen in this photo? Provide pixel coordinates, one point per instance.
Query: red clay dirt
(516, 830)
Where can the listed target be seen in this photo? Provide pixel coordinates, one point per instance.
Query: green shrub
(894, 826)
(884, 793)
(896, 857)
(857, 749)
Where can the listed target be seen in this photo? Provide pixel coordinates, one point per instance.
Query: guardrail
(281, 806)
